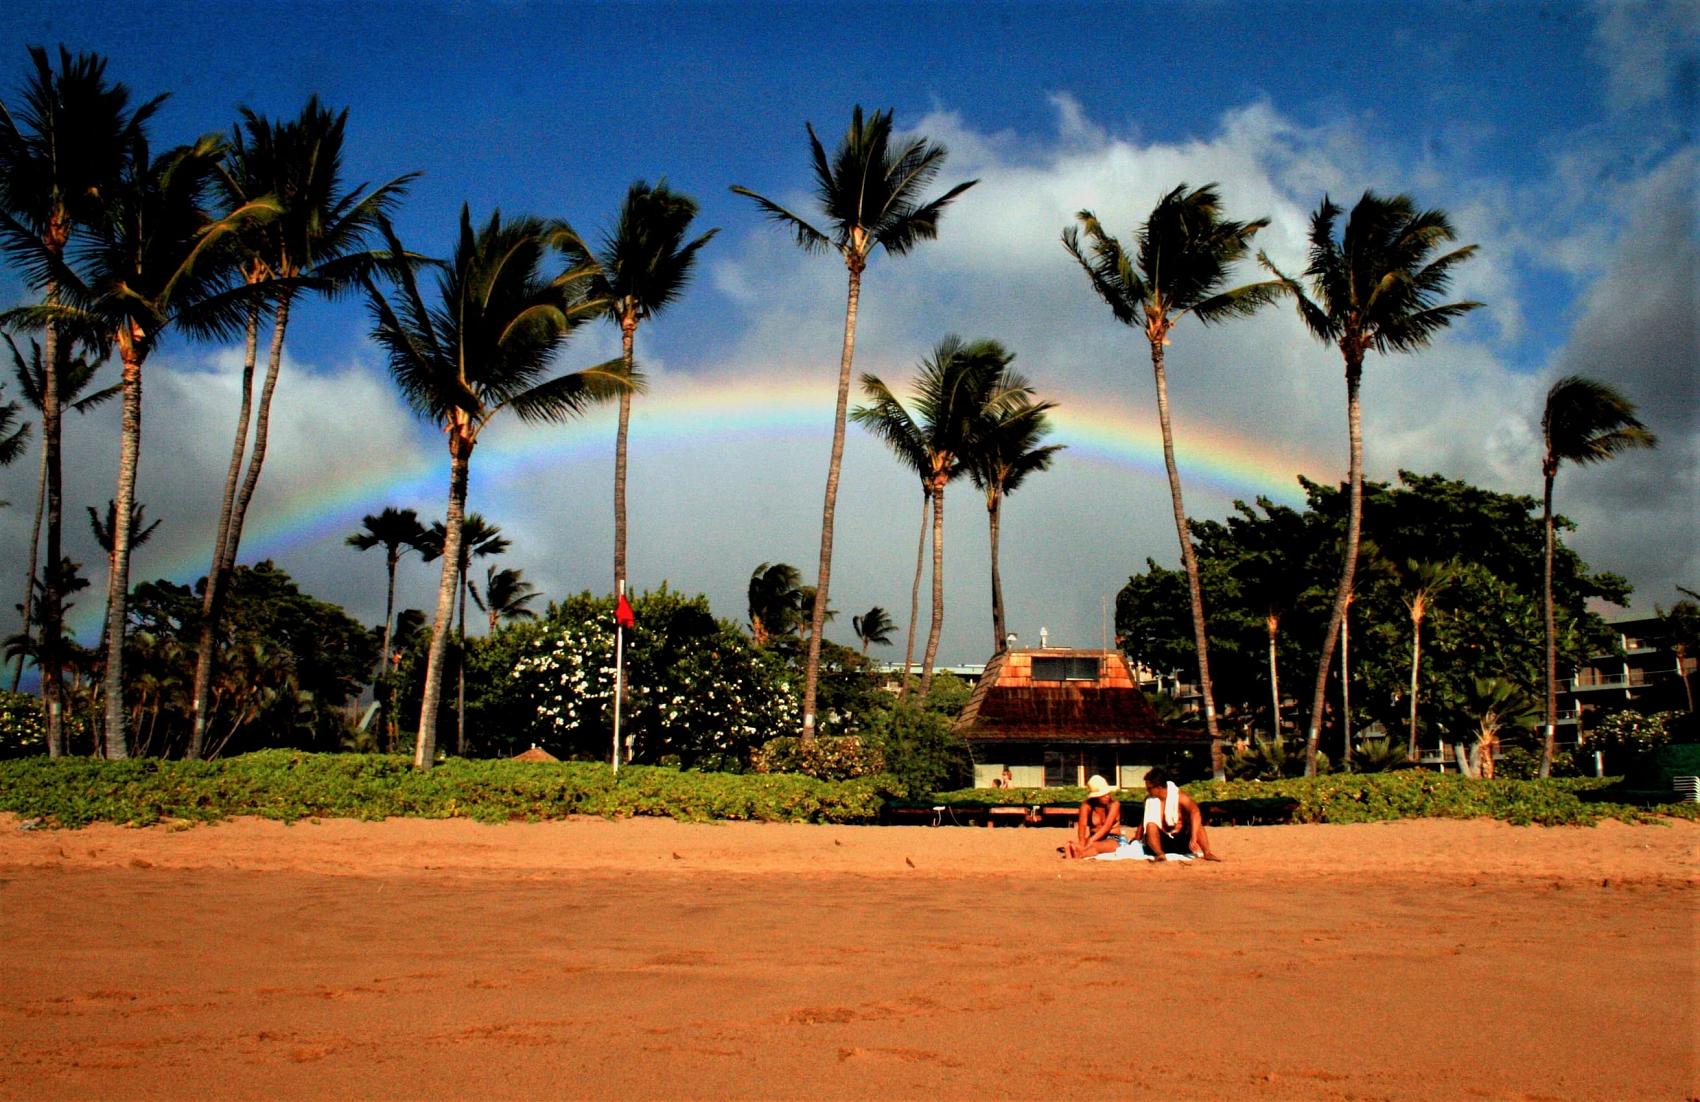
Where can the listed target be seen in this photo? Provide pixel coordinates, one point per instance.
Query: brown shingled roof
(1008, 705)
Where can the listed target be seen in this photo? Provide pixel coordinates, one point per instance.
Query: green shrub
(827, 758)
(920, 750)
(288, 785)
(23, 729)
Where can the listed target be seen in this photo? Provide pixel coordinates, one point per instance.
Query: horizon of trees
(218, 239)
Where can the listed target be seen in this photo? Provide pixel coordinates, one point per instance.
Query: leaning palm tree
(872, 195)
(486, 348)
(316, 241)
(873, 626)
(507, 596)
(153, 265)
(1585, 421)
(62, 154)
(397, 531)
(1179, 266)
(643, 266)
(1423, 583)
(1006, 450)
(960, 389)
(75, 372)
(775, 598)
(1373, 286)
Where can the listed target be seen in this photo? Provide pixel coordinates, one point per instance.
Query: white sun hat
(1097, 786)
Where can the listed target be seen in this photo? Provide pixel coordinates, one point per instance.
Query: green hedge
(1377, 797)
(288, 785)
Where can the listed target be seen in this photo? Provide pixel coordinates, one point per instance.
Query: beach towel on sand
(1135, 851)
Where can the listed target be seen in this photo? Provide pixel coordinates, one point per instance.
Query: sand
(652, 959)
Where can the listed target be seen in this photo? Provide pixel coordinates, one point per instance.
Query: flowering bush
(828, 758)
(23, 731)
(695, 687)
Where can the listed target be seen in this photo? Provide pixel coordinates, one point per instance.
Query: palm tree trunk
(460, 460)
(48, 657)
(938, 591)
(211, 602)
(915, 592)
(1272, 624)
(1349, 561)
(1218, 763)
(387, 706)
(118, 579)
(29, 579)
(628, 329)
(1550, 719)
(1416, 659)
(460, 666)
(1346, 680)
(823, 575)
(993, 515)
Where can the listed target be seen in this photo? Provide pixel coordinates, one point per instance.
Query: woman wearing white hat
(1098, 829)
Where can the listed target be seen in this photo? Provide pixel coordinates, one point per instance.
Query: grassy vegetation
(1406, 794)
(290, 785)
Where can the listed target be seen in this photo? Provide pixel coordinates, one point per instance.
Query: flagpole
(619, 672)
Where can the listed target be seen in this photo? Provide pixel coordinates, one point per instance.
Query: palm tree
(643, 266)
(872, 195)
(1374, 286)
(1271, 579)
(478, 539)
(317, 240)
(873, 626)
(488, 347)
(507, 596)
(397, 531)
(62, 154)
(1497, 703)
(775, 601)
(153, 265)
(1680, 627)
(1585, 421)
(74, 375)
(961, 387)
(1006, 450)
(1181, 261)
(1423, 582)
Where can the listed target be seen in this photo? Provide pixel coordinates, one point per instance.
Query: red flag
(623, 614)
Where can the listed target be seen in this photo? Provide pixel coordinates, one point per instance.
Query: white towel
(1164, 814)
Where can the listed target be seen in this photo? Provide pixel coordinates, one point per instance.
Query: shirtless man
(1173, 821)
(1098, 828)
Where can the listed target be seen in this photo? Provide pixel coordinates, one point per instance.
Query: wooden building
(1056, 716)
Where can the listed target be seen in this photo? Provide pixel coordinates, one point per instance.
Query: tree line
(221, 238)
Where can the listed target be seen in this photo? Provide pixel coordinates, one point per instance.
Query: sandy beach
(647, 958)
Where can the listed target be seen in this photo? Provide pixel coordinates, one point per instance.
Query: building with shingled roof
(1056, 716)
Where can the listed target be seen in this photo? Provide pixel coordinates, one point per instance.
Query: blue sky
(1560, 136)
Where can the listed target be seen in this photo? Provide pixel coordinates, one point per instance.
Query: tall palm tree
(478, 539)
(961, 387)
(873, 626)
(1423, 584)
(775, 598)
(62, 154)
(76, 371)
(317, 240)
(486, 348)
(1006, 450)
(1585, 421)
(153, 265)
(507, 596)
(871, 192)
(397, 531)
(1375, 285)
(643, 266)
(1179, 267)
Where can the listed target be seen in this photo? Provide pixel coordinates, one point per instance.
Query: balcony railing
(1630, 680)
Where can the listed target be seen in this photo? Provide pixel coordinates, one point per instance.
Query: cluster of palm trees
(221, 238)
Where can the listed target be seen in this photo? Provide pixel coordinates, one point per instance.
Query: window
(1065, 669)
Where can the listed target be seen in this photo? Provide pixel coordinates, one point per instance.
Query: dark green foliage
(277, 784)
(23, 730)
(921, 752)
(825, 758)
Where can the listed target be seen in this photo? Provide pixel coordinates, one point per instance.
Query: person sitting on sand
(1098, 828)
(1174, 823)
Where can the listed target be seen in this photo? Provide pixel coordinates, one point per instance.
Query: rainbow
(684, 413)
